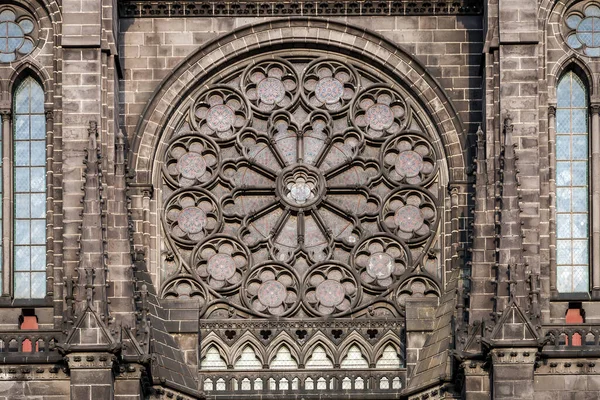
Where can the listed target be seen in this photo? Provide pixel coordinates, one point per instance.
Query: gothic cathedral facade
(303, 199)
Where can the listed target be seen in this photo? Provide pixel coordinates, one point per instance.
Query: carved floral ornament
(300, 187)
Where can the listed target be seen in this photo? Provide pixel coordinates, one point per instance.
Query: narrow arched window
(29, 191)
(572, 186)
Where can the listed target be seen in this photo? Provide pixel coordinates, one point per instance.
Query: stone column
(595, 183)
(6, 203)
(552, 190)
(512, 373)
(477, 381)
(91, 376)
(128, 383)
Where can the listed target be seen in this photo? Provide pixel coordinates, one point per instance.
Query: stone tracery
(300, 187)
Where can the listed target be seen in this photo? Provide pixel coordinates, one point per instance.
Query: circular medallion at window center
(300, 186)
(271, 90)
(272, 293)
(380, 265)
(221, 266)
(380, 116)
(329, 90)
(220, 118)
(408, 218)
(330, 293)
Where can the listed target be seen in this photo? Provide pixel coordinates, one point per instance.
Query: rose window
(584, 30)
(300, 187)
(17, 35)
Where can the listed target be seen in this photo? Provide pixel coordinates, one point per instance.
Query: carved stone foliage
(300, 186)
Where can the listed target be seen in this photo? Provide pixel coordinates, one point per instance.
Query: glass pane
(580, 147)
(22, 179)
(38, 127)
(563, 173)
(22, 127)
(22, 153)
(563, 200)
(563, 121)
(38, 258)
(22, 285)
(580, 252)
(564, 278)
(580, 200)
(38, 285)
(38, 206)
(563, 252)
(579, 121)
(22, 258)
(22, 232)
(580, 278)
(563, 147)
(38, 180)
(22, 206)
(38, 153)
(579, 173)
(563, 225)
(580, 225)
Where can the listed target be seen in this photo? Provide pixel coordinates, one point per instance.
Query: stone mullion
(50, 279)
(7, 200)
(552, 182)
(595, 173)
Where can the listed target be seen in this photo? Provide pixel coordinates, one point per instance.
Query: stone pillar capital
(552, 110)
(595, 109)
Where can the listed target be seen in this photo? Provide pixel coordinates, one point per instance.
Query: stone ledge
(287, 8)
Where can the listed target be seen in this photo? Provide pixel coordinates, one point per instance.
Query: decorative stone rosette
(220, 261)
(185, 288)
(380, 260)
(191, 215)
(380, 112)
(18, 34)
(271, 289)
(329, 85)
(409, 158)
(330, 288)
(582, 29)
(409, 214)
(417, 286)
(219, 112)
(270, 85)
(191, 160)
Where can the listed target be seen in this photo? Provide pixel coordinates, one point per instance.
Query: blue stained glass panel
(572, 192)
(563, 147)
(580, 147)
(563, 225)
(564, 278)
(563, 252)
(579, 121)
(563, 121)
(29, 143)
(563, 200)
(580, 200)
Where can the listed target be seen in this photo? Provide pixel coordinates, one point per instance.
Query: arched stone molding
(388, 339)
(247, 339)
(565, 63)
(301, 33)
(283, 339)
(354, 338)
(31, 67)
(318, 339)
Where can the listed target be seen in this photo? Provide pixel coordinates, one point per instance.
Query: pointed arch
(247, 340)
(354, 339)
(284, 358)
(318, 339)
(283, 339)
(570, 62)
(29, 68)
(389, 338)
(211, 358)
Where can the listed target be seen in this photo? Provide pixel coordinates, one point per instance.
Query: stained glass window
(584, 30)
(16, 35)
(572, 204)
(29, 146)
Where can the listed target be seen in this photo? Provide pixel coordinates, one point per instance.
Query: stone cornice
(286, 8)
